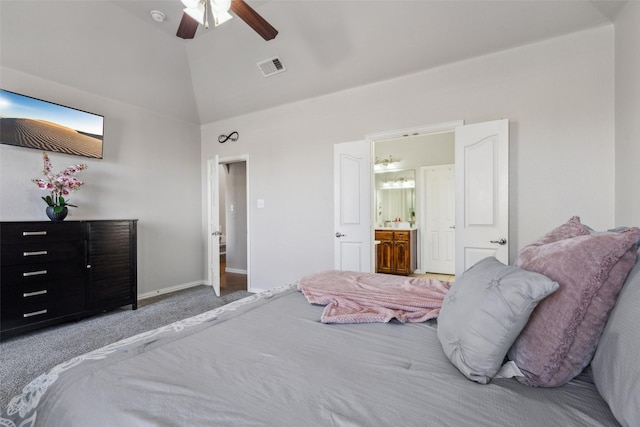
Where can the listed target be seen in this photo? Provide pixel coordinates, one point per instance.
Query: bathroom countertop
(395, 228)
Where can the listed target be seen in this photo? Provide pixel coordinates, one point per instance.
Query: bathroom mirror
(395, 197)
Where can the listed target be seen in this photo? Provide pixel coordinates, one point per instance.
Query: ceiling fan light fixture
(191, 4)
(220, 11)
(196, 13)
(199, 11)
(221, 18)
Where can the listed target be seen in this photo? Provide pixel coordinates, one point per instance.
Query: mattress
(267, 360)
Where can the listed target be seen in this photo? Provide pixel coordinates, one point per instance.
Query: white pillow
(484, 312)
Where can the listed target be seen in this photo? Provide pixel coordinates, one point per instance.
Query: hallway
(230, 282)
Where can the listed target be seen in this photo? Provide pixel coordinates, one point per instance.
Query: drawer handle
(35, 313)
(34, 233)
(34, 253)
(34, 273)
(33, 294)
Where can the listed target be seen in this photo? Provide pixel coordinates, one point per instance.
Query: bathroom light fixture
(200, 10)
(399, 182)
(385, 162)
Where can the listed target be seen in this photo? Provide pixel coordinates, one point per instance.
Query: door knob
(216, 233)
(339, 234)
(502, 241)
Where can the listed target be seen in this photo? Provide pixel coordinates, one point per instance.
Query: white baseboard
(235, 270)
(171, 289)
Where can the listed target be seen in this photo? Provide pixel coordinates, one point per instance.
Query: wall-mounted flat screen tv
(34, 123)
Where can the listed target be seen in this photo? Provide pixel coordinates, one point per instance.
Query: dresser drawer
(27, 232)
(40, 308)
(41, 252)
(17, 276)
(14, 297)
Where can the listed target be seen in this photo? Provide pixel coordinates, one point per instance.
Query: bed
(268, 360)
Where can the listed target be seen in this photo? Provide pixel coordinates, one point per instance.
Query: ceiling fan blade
(253, 19)
(187, 28)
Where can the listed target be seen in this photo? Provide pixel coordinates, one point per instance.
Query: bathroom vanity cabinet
(397, 251)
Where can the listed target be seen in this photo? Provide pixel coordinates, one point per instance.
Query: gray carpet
(25, 357)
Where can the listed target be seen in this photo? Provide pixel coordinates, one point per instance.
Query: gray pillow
(483, 313)
(616, 364)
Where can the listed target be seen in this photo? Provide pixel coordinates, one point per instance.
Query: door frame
(400, 133)
(415, 131)
(214, 180)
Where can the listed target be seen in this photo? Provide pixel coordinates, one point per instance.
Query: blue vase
(57, 216)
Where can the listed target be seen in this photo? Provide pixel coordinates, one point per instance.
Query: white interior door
(352, 206)
(482, 193)
(213, 229)
(438, 248)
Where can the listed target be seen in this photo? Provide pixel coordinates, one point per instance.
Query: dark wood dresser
(57, 271)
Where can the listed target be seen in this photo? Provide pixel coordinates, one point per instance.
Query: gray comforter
(268, 361)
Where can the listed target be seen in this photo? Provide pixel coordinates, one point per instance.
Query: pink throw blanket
(352, 297)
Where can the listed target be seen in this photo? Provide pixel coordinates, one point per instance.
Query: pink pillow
(563, 331)
(571, 228)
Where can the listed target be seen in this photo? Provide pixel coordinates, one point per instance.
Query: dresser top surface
(66, 221)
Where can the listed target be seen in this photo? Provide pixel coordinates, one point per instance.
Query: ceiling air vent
(271, 66)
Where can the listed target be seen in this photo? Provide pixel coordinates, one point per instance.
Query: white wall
(149, 171)
(415, 151)
(627, 66)
(557, 94)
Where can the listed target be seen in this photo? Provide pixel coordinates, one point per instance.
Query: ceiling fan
(198, 12)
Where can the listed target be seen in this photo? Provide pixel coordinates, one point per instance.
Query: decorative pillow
(616, 363)
(563, 332)
(571, 228)
(483, 313)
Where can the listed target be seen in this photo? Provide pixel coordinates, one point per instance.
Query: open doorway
(233, 215)
(481, 201)
(414, 191)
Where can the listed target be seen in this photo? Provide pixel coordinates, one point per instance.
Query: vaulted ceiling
(113, 48)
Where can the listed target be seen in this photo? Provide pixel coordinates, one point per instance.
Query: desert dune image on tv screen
(32, 123)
